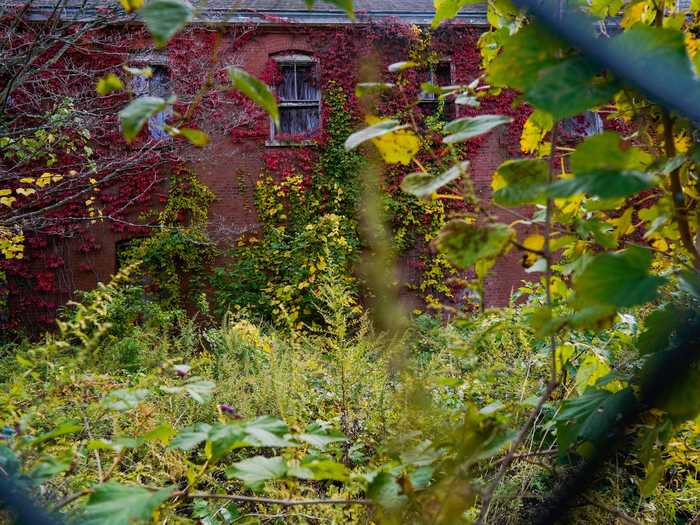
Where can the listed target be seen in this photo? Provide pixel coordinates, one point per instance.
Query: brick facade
(231, 168)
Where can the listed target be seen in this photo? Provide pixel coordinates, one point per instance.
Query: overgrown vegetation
(301, 392)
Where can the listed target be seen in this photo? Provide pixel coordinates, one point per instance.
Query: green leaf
(49, 467)
(447, 9)
(109, 84)
(190, 437)
(591, 416)
(519, 182)
(163, 434)
(424, 185)
(377, 130)
(197, 388)
(61, 430)
(345, 5)
(254, 471)
(117, 444)
(223, 439)
(524, 54)
(464, 244)
(268, 423)
(661, 54)
(164, 18)
(605, 184)
(384, 489)
(619, 279)
(255, 90)
(321, 439)
(263, 438)
(469, 127)
(136, 114)
(116, 504)
(660, 325)
(603, 169)
(604, 152)
(195, 136)
(570, 88)
(319, 469)
(124, 399)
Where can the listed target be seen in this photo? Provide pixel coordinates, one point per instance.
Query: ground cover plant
(313, 396)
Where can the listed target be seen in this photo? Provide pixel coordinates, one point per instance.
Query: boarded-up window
(299, 96)
(157, 85)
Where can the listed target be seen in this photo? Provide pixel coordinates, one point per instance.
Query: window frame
(424, 97)
(295, 59)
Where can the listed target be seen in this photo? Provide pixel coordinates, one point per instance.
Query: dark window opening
(299, 97)
(439, 75)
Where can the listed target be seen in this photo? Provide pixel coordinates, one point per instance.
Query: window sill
(290, 143)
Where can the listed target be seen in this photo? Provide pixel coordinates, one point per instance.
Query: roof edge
(270, 17)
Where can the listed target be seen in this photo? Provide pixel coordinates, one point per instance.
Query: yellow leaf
(398, 147)
(563, 354)
(27, 180)
(532, 242)
(590, 370)
(7, 201)
(109, 84)
(623, 225)
(682, 142)
(535, 130)
(633, 14)
(660, 244)
(131, 5)
(5, 191)
(25, 191)
(44, 180)
(498, 182)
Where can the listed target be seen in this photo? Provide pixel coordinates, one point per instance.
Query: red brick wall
(231, 169)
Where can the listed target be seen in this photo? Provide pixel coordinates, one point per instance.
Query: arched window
(299, 96)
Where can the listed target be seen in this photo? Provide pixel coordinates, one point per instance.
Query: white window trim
(295, 58)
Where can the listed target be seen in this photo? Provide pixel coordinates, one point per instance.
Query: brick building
(307, 49)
